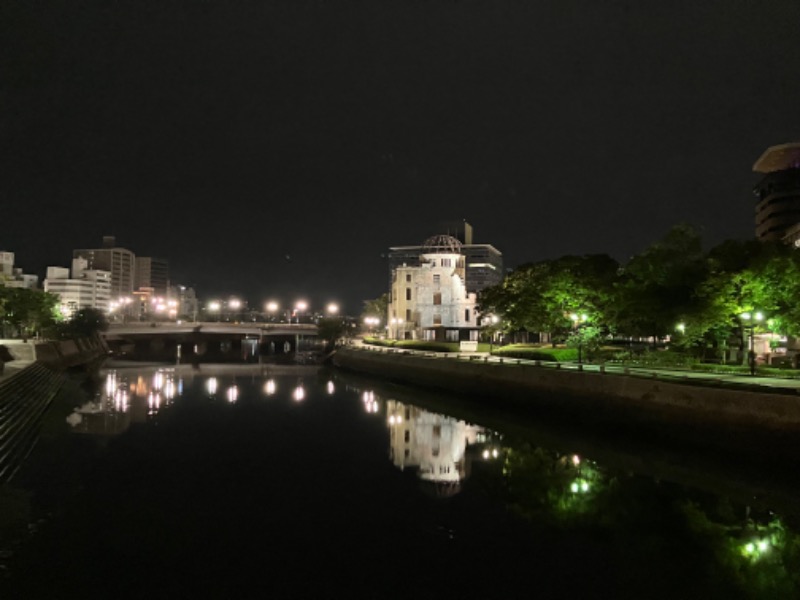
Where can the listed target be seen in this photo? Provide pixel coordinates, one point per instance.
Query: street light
(214, 307)
(749, 322)
(577, 321)
(299, 306)
(272, 308)
(371, 322)
(332, 308)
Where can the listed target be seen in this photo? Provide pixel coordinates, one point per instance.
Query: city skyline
(280, 151)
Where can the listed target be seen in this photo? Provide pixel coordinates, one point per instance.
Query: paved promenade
(786, 385)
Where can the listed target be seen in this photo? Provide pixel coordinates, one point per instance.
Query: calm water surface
(258, 481)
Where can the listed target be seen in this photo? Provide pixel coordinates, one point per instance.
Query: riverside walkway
(763, 383)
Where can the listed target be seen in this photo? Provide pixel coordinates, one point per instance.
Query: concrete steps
(24, 399)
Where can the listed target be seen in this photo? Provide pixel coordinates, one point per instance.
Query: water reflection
(126, 397)
(641, 519)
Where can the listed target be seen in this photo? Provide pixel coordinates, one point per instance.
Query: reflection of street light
(749, 322)
(577, 321)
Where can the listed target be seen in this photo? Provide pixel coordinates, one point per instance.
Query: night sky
(277, 149)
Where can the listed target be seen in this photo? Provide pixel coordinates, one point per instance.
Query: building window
(437, 279)
(446, 262)
(437, 431)
(437, 319)
(408, 413)
(435, 451)
(452, 335)
(406, 453)
(408, 293)
(466, 315)
(408, 276)
(407, 436)
(408, 315)
(437, 298)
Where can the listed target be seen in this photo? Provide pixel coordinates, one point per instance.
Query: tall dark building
(778, 193)
(484, 262)
(152, 273)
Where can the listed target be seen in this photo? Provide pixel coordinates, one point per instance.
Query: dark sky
(227, 135)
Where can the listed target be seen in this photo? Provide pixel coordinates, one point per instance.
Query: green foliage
(530, 352)
(663, 358)
(25, 312)
(379, 307)
(331, 329)
(85, 323)
(540, 297)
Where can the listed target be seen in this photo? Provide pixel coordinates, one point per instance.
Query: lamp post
(577, 321)
(272, 308)
(299, 307)
(214, 307)
(749, 322)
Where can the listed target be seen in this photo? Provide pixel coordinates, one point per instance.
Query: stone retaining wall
(71, 353)
(602, 394)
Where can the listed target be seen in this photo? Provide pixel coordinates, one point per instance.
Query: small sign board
(466, 346)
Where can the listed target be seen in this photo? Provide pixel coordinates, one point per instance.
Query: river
(275, 481)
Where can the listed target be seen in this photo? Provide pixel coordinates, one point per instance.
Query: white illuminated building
(87, 288)
(430, 301)
(434, 443)
(13, 277)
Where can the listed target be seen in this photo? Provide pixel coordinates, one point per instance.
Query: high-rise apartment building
(120, 262)
(778, 193)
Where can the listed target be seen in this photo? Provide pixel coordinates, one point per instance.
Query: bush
(529, 352)
(661, 358)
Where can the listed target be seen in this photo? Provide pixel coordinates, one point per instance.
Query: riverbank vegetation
(704, 304)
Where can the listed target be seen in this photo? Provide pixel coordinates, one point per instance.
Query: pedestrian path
(684, 376)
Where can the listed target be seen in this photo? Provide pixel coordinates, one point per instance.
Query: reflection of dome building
(434, 443)
(430, 300)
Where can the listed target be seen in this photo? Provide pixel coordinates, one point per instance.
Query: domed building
(430, 301)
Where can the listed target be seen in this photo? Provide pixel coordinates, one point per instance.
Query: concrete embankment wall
(580, 392)
(65, 354)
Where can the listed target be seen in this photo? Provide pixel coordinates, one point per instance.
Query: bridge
(213, 341)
